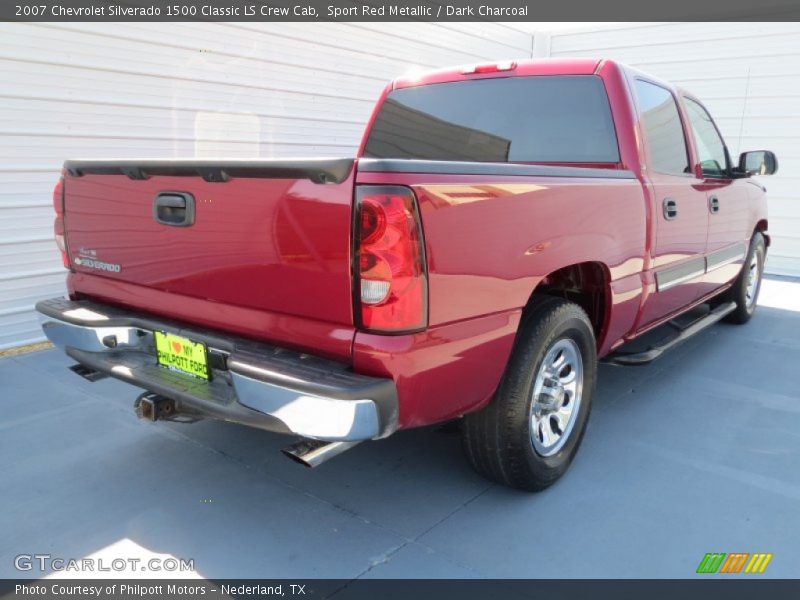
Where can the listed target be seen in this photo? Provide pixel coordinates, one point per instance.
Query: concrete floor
(697, 452)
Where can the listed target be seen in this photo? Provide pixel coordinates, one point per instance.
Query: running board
(620, 357)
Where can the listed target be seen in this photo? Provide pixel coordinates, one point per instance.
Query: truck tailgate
(272, 236)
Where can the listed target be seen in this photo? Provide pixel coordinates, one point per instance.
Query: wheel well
(585, 284)
(761, 227)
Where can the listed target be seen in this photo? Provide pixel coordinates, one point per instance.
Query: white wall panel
(194, 89)
(748, 74)
(306, 89)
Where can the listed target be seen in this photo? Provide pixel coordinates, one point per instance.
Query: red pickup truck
(502, 227)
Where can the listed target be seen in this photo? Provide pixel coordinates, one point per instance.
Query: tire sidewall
(578, 330)
(757, 246)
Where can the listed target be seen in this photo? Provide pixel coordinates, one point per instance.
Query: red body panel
(489, 244)
(472, 221)
(264, 244)
(443, 372)
(322, 337)
(271, 258)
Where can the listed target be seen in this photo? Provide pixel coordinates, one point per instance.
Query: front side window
(509, 119)
(710, 147)
(663, 129)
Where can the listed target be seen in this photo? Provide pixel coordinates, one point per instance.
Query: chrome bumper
(252, 383)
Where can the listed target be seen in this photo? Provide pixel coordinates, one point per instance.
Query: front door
(727, 199)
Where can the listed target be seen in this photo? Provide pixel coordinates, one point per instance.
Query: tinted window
(710, 147)
(516, 119)
(662, 128)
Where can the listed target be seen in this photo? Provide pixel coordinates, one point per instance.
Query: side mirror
(758, 162)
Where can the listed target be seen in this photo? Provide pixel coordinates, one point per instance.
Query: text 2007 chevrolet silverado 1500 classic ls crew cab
(501, 227)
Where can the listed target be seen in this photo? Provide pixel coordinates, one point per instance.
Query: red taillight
(58, 224)
(391, 280)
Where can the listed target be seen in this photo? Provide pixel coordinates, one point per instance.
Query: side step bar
(623, 358)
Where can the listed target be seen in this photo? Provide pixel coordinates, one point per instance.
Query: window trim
(681, 118)
(729, 166)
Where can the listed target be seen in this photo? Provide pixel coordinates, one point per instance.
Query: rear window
(515, 119)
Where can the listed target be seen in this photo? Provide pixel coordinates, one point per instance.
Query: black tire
(738, 292)
(497, 440)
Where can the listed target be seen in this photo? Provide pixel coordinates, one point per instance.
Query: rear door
(730, 222)
(678, 202)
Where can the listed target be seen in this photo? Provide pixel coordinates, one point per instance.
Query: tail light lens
(58, 224)
(391, 278)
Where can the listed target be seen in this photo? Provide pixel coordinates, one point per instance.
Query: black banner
(396, 10)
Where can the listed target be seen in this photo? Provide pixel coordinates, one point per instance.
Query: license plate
(182, 354)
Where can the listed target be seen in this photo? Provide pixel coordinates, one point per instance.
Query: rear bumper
(252, 383)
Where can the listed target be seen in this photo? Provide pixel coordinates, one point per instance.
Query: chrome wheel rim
(753, 278)
(556, 401)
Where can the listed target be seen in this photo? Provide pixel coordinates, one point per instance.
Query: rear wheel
(528, 435)
(745, 289)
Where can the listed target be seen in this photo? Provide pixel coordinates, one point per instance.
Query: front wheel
(528, 435)
(745, 289)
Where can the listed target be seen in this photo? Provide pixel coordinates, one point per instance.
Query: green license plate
(182, 354)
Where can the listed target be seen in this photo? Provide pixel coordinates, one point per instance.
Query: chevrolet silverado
(502, 228)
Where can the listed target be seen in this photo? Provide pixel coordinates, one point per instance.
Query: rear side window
(663, 129)
(514, 119)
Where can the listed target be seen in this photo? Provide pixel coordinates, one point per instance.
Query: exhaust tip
(312, 453)
(296, 457)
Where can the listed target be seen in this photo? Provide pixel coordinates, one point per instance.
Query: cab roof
(504, 68)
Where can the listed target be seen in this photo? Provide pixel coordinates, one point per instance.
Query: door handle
(174, 208)
(713, 205)
(670, 209)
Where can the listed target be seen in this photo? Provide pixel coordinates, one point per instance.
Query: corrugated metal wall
(748, 75)
(206, 89)
(236, 89)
